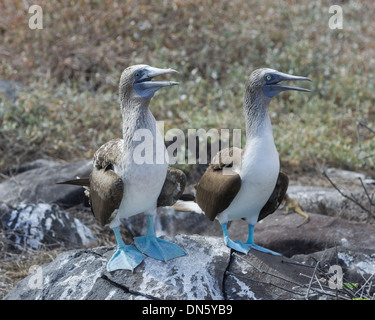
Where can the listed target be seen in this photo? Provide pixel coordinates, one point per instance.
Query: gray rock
(279, 232)
(82, 275)
(208, 271)
(72, 275)
(39, 163)
(260, 276)
(32, 226)
(38, 185)
(198, 275)
(329, 201)
(357, 266)
(345, 175)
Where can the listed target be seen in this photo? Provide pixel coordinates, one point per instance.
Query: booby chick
(246, 184)
(121, 179)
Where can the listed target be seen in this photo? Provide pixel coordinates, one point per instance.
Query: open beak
(273, 87)
(146, 88)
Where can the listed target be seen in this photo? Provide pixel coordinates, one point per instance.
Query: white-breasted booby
(121, 181)
(246, 183)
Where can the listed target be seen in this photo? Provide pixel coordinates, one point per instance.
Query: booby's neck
(136, 115)
(257, 119)
(260, 157)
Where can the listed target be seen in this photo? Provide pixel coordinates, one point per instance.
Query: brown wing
(219, 184)
(276, 197)
(106, 187)
(173, 188)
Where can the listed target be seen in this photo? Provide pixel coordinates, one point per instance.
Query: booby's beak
(272, 86)
(143, 84)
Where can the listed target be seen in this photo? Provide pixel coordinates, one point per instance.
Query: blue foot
(157, 248)
(251, 244)
(261, 249)
(235, 245)
(126, 257)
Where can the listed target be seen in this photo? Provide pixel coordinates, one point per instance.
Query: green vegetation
(71, 69)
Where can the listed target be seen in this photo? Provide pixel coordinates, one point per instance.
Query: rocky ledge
(210, 271)
(328, 257)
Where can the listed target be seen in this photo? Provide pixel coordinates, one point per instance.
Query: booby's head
(136, 81)
(267, 82)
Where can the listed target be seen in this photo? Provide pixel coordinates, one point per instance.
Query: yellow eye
(268, 77)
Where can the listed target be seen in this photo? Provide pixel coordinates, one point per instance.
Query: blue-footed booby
(121, 181)
(246, 184)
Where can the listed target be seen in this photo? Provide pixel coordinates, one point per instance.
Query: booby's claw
(126, 257)
(158, 248)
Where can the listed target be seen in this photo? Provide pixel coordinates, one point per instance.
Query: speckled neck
(256, 112)
(136, 115)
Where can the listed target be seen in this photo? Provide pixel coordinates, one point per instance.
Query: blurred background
(69, 73)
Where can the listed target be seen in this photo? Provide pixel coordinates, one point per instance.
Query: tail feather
(187, 206)
(84, 182)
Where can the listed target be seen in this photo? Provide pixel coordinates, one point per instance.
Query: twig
(364, 125)
(367, 194)
(346, 196)
(265, 282)
(265, 272)
(362, 288)
(312, 277)
(297, 264)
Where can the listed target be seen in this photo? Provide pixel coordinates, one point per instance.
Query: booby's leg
(157, 248)
(126, 257)
(250, 242)
(235, 245)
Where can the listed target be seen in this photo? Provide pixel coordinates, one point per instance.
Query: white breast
(259, 172)
(142, 181)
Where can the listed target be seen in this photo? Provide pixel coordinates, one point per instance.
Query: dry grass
(73, 65)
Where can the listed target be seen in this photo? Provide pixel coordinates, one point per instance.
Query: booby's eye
(137, 74)
(268, 77)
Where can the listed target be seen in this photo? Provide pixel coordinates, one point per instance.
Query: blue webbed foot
(126, 257)
(251, 244)
(235, 245)
(155, 247)
(158, 248)
(261, 249)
